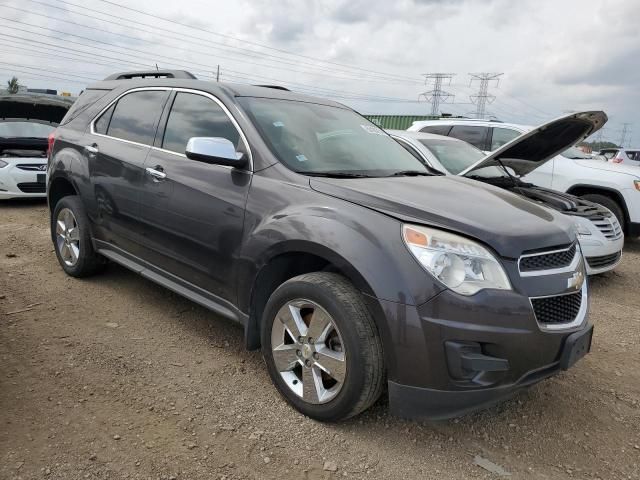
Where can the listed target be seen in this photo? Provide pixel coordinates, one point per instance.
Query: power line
(256, 56)
(248, 42)
(482, 98)
(436, 95)
(623, 135)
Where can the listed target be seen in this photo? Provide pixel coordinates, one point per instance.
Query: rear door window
(476, 136)
(437, 129)
(633, 155)
(194, 115)
(502, 136)
(609, 154)
(136, 116)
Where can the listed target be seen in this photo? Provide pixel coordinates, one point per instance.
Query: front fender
(364, 244)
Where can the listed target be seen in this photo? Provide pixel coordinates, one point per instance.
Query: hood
(39, 108)
(535, 147)
(508, 223)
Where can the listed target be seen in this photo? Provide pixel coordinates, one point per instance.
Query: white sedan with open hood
(600, 234)
(26, 122)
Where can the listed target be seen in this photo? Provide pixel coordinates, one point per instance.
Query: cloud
(555, 55)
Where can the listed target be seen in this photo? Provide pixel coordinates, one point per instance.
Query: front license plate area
(576, 346)
(41, 177)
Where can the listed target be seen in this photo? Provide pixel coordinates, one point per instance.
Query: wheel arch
(59, 187)
(583, 189)
(290, 260)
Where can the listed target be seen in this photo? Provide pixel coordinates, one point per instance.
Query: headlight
(581, 229)
(3, 163)
(463, 265)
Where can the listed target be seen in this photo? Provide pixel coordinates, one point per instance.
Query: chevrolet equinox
(349, 262)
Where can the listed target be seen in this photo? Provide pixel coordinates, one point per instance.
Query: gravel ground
(114, 377)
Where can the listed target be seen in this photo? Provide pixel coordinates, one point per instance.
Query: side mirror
(215, 150)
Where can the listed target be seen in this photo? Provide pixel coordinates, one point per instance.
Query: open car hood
(530, 150)
(48, 109)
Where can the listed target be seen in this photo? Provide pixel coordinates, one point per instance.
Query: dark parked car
(348, 261)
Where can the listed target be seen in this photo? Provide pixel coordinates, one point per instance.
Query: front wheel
(321, 347)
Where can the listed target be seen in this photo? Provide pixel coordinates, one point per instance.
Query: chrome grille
(609, 226)
(547, 260)
(32, 167)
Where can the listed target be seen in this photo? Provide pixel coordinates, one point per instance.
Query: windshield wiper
(413, 173)
(335, 174)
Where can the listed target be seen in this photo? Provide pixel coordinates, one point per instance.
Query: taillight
(51, 139)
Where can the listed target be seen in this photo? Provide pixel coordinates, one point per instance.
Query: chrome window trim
(553, 271)
(577, 322)
(175, 89)
(92, 128)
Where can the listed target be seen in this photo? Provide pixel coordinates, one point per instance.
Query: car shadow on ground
(192, 319)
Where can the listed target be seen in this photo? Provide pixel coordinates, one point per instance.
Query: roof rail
(152, 74)
(276, 87)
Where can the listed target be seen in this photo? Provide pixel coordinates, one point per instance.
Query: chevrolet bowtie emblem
(576, 280)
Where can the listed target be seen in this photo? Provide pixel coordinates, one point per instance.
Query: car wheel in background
(321, 347)
(609, 203)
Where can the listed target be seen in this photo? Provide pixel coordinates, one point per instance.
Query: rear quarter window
(84, 101)
(437, 129)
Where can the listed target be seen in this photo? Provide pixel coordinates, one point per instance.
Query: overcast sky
(556, 56)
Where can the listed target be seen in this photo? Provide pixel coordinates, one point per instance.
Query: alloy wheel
(68, 237)
(308, 351)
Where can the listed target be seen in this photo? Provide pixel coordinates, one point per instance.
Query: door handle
(91, 149)
(157, 173)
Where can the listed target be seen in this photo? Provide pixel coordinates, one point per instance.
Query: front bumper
(431, 404)
(16, 182)
(498, 328)
(601, 254)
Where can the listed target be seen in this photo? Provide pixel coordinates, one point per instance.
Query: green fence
(397, 122)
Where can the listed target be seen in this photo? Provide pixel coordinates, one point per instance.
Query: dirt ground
(114, 377)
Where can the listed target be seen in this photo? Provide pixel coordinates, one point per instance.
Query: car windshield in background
(575, 154)
(457, 156)
(25, 130)
(324, 140)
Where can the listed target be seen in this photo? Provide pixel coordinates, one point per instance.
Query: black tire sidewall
(87, 257)
(608, 203)
(343, 404)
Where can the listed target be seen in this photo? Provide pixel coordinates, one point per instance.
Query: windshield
(575, 153)
(319, 139)
(457, 156)
(25, 129)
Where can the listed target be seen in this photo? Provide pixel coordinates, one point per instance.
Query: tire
(352, 337)
(609, 203)
(74, 250)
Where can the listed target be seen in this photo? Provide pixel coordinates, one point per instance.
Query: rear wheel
(72, 239)
(607, 202)
(321, 347)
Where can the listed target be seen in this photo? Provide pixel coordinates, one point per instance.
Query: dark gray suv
(349, 262)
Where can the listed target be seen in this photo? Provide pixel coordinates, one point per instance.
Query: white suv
(616, 186)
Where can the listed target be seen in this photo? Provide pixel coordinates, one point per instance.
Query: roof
(472, 122)
(215, 88)
(420, 135)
